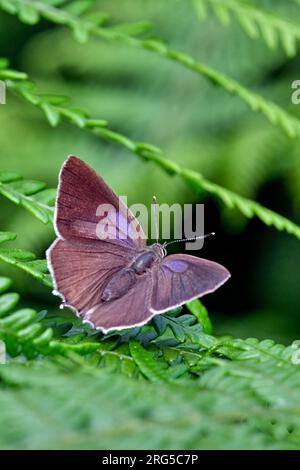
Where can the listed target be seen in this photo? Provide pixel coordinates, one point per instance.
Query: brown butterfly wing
(180, 278)
(81, 191)
(81, 263)
(132, 309)
(80, 271)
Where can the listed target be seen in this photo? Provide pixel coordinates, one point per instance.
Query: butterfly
(118, 281)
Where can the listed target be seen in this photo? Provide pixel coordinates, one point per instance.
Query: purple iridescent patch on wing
(176, 266)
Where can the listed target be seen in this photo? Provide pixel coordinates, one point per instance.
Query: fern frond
(148, 364)
(24, 333)
(24, 260)
(53, 106)
(232, 392)
(258, 379)
(274, 113)
(197, 308)
(184, 327)
(226, 407)
(261, 351)
(30, 194)
(162, 351)
(255, 21)
(116, 358)
(149, 152)
(170, 329)
(246, 206)
(19, 329)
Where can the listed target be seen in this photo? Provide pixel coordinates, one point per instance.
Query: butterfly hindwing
(132, 309)
(81, 271)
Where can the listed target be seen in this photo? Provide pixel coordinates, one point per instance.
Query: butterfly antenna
(155, 215)
(190, 239)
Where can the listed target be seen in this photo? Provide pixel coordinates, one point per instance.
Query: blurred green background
(198, 125)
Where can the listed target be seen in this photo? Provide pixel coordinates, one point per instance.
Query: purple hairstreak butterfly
(118, 281)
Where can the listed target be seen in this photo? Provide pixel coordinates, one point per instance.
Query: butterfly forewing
(180, 278)
(84, 201)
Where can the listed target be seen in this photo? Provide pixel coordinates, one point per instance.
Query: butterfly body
(118, 282)
(147, 258)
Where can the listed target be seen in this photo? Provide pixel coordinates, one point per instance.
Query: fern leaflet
(24, 260)
(30, 194)
(149, 152)
(255, 21)
(83, 28)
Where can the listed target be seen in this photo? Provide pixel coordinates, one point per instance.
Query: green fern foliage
(246, 206)
(145, 151)
(261, 351)
(83, 28)
(227, 404)
(26, 331)
(197, 308)
(147, 363)
(19, 329)
(170, 383)
(53, 106)
(32, 195)
(24, 260)
(255, 21)
(231, 391)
